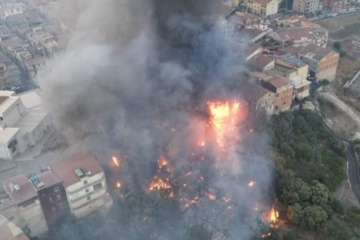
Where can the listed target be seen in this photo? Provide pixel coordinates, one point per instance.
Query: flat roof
(49, 178)
(31, 119)
(31, 99)
(7, 103)
(27, 190)
(6, 134)
(65, 168)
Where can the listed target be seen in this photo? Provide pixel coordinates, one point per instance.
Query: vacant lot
(347, 69)
(338, 23)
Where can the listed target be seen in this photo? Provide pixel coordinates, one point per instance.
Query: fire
(273, 216)
(251, 184)
(266, 235)
(225, 118)
(116, 161)
(158, 184)
(118, 184)
(211, 196)
(162, 162)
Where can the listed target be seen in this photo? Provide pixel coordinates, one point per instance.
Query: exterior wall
(6, 153)
(83, 198)
(13, 114)
(283, 100)
(54, 203)
(303, 71)
(272, 8)
(327, 67)
(302, 92)
(34, 217)
(38, 133)
(306, 6)
(328, 74)
(267, 103)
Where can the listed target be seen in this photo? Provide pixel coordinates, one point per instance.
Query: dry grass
(338, 23)
(347, 68)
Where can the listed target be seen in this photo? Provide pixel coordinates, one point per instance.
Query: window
(88, 198)
(85, 182)
(87, 190)
(97, 186)
(56, 189)
(58, 197)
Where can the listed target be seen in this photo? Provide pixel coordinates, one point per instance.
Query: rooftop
(253, 92)
(7, 134)
(19, 188)
(260, 61)
(290, 60)
(31, 119)
(65, 169)
(278, 81)
(315, 52)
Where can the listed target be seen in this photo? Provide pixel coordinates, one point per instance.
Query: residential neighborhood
(149, 125)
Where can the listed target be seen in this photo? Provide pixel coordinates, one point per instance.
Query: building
(289, 65)
(9, 231)
(335, 5)
(246, 52)
(52, 196)
(239, 20)
(280, 86)
(258, 98)
(262, 8)
(10, 75)
(296, 37)
(306, 6)
(84, 182)
(28, 210)
(23, 123)
(261, 62)
(322, 61)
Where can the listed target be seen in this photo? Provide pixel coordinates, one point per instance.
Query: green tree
(320, 195)
(314, 217)
(296, 191)
(336, 229)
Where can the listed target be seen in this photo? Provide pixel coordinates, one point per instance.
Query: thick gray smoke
(135, 79)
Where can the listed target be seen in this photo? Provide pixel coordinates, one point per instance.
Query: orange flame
(116, 161)
(162, 162)
(211, 196)
(118, 184)
(224, 120)
(274, 215)
(266, 235)
(158, 184)
(251, 184)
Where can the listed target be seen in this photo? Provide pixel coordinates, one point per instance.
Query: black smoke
(135, 76)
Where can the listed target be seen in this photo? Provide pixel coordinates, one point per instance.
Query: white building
(84, 182)
(23, 122)
(306, 6)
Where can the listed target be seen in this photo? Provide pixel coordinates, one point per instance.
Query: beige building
(9, 231)
(262, 8)
(258, 98)
(322, 61)
(23, 123)
(84, 182)
(26, 210)
(306, 6)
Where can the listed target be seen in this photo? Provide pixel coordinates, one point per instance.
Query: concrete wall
(35, 219)
(272, 8)
(12, 115)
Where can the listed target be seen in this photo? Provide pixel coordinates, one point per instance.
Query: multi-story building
(335, 5)
(52, 196)
(262, 8)
(322, 61)
(84, 182)
(280, 86)
(21, 127)
(27, 208)
(258, 98)
(9, 231)
(306, 6)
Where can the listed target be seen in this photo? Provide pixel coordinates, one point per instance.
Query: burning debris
(166, 89)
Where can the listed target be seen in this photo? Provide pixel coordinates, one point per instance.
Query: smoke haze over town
(137, 79)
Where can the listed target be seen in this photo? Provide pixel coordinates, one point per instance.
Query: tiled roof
(26, 189)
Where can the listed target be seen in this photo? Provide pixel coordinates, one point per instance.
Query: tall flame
(225, 117)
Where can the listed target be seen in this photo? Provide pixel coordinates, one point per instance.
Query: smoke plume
(136, 79)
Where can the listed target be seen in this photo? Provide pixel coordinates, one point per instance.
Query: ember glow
(224, 120)
(162, 162)
(118, 184)
(116, 161)
(251, 184)
(158, 184)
